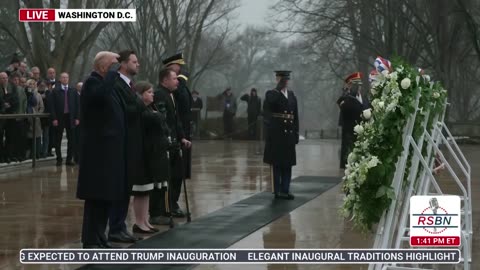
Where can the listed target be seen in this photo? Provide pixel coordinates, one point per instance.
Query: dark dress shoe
(284, 196)
(137, 229)
(154, 230)
(178, 213)
(277, 196)
(160, 220)
(70, 163)
(59, 163)
(121, 238)
(129, 235)
(106, 245)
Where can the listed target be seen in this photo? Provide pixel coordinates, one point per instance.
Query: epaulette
(183, 77)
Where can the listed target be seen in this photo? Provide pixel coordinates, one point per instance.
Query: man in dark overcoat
(134, 108)
(282, 134)
(101, 178)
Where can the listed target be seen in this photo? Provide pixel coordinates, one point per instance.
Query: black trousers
(282, 175)
(160, 202)
(252, 127)
(15, 139)
(3, 150)
(64, 124)
(227, 124)
(52, 138)
(95, 217)
(348, 140)
(117, 216)
(76, 145)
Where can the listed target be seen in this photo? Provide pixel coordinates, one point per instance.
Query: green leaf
(381, 191)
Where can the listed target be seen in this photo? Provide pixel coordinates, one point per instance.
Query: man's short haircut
(164, 73)
(125, 55)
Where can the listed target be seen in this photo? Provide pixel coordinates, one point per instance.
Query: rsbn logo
(435, 221)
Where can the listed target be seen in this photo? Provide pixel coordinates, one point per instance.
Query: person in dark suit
(134, 107)
(164, 98)
(102, 174)
(229, 102)
(78, 87)
(184, 100)
(282, 126)
(351, 108)
(10, 105)
(65, 116)
(197, 106)
(253, 111)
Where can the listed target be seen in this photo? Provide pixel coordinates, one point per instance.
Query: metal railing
(34, 117)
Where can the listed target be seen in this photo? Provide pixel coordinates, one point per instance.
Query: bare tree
(54, 44)
(430, 34)
(165, 27)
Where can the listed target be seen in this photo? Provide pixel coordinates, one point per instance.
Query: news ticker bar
(240, 256)
(76, 15)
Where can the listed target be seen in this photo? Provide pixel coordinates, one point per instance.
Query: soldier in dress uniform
(351, 108)
(184, 100)
(281, 120)
(163, 204)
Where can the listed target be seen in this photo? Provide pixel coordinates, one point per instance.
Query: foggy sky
(253, 12)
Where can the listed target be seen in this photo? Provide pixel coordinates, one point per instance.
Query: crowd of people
(129, 138)
(25, 92)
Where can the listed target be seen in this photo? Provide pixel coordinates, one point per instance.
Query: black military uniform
(351, 110)
(282, 127)
(183, 100)
(159, 207)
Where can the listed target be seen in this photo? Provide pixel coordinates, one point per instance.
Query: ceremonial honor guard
(351, 107)
(184, 100)
(165, 204)
(281, 120)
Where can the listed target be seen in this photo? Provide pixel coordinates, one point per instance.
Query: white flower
(367, 114)
(358, 129)
(417, 80)
(391, 107)
(381, 104)
(373, 162)
(406, 83)
(436, 95)
(394, 76)
(385, 72)
(347, 172)
(351, 158)
(426, 77)
(373, 91)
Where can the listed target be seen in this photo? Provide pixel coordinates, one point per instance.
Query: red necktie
(132, 87)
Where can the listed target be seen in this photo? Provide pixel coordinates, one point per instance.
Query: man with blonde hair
(101, 179)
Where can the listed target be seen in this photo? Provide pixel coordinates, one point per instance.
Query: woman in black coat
(253, 111)
(156, 162)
